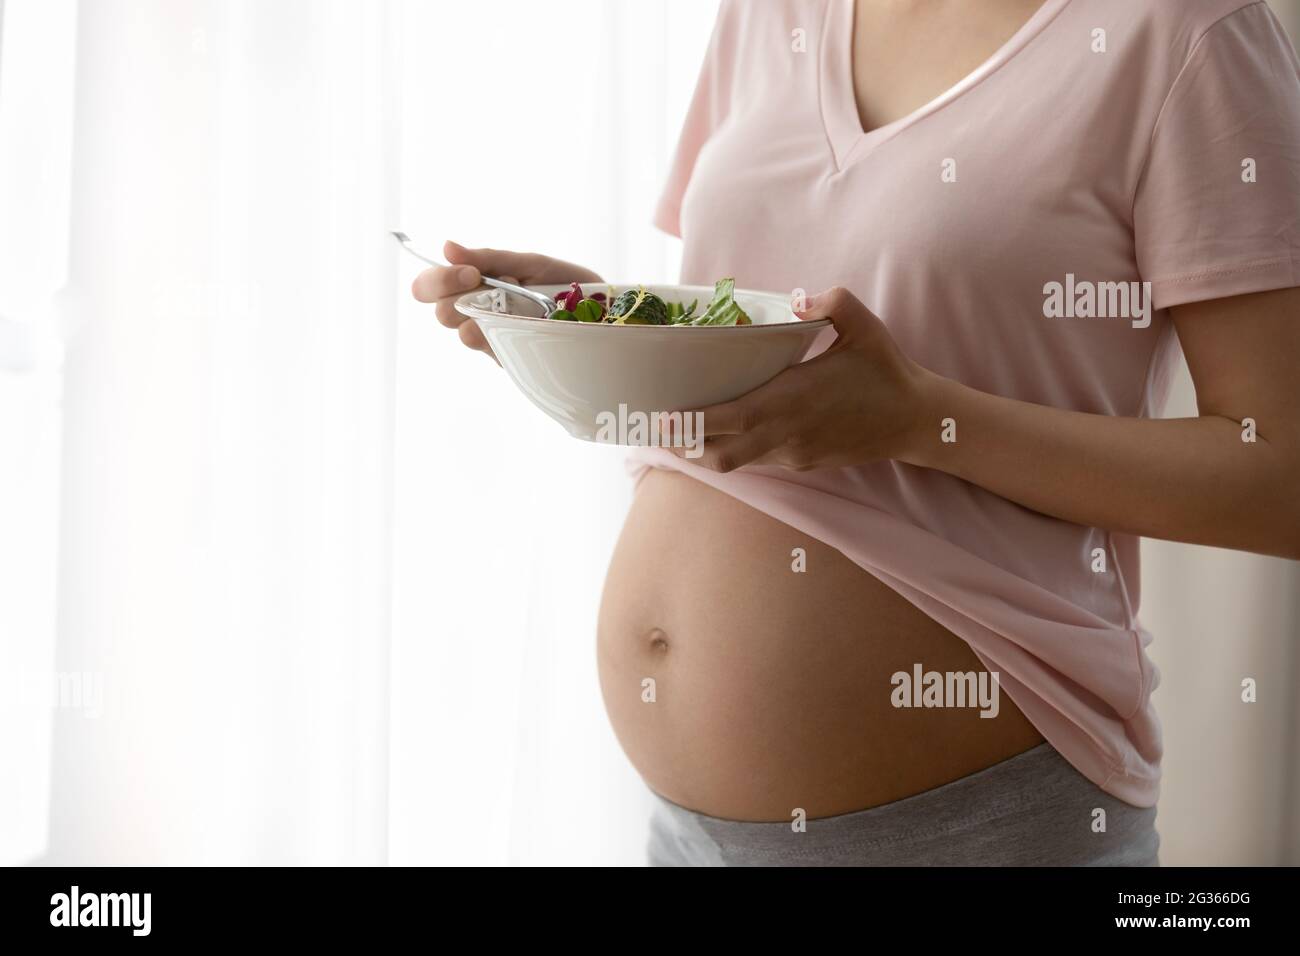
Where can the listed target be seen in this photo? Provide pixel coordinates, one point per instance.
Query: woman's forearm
(1192, 479)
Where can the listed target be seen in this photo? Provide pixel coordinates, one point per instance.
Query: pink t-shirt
(1111, 141)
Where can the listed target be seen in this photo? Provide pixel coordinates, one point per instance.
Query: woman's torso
(952, 222)
(773, 686)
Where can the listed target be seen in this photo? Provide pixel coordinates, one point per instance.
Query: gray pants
(1031, 810)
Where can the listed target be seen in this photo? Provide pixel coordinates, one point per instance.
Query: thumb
(852, 319)
(489, 262)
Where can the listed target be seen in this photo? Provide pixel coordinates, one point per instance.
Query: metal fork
(549, 305)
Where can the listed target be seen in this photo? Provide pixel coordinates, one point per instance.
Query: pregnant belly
(743, 690)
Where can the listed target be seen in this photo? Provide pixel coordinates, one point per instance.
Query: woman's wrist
(933, 402)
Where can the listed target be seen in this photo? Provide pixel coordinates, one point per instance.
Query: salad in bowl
(640, 306)
(615, 350)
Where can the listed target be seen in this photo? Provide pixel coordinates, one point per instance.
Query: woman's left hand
(859, 401)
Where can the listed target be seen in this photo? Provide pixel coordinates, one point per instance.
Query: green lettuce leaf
(677, 315)
(588, 310)
(723, 310)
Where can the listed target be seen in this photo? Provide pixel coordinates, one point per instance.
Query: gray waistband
(1033, 808)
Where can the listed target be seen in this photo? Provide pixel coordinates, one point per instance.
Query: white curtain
(502, 752)
(286, 575)
(37, 56)
(319, 599)
(226, 507)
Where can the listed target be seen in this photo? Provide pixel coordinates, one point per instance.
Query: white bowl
(580, 373)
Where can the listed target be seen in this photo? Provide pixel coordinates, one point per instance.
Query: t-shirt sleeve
(1217, 211)
(709, 106)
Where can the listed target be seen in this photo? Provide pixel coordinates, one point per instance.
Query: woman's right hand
(443, 285)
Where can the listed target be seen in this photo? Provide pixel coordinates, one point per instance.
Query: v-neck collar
(839, 106)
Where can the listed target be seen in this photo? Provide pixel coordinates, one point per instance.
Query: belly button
(658, 640)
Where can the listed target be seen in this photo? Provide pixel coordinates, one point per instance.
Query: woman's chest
(1031, 157)
(782, 200)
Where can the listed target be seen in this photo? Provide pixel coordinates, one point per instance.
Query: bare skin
(771, 687)
(908, 52)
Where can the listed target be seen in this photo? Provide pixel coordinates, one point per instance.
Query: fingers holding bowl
(440, 282)
(442, 286)
(471, 336)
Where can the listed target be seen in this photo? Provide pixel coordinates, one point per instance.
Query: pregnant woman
(1018, 212)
